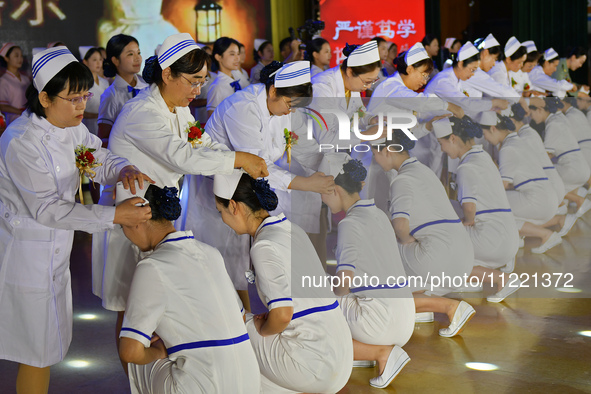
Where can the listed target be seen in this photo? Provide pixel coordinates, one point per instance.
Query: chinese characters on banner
(396, 21)
(33, 11)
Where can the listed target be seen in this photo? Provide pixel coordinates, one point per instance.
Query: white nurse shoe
(396, 361)
(463, 314)
(554, 240)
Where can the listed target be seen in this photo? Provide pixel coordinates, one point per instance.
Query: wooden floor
(533, 338)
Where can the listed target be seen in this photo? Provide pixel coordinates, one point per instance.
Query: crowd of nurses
(193, 213)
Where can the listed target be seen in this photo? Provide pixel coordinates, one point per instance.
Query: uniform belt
(528, 181)
(309, 311)
(422, 226)
(211, 343)
(568, 151)
(493, 210)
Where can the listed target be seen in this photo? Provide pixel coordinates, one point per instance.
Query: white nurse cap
(550, 54)
(175, 47)
(511, 46)
(487, 118)
(47, 63)
(332, 163)
(448, 42)
(365, 54)
(489, 42)
(530, 45)
(415, 54)
(123, 194)
(5, 48)
(258, 42)
(467, 51)
(224, 186)
(292, 74)
(442, 127)
(84, 50)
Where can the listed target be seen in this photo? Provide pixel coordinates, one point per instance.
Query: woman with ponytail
(302, 343)
(255, 120)
(486, 211)
(381, 316)
(195, 344)
(530, 193)
(123, 62)
(563, 148)
(431, 238)
(153, 130)
(226, 62)
(318, 54)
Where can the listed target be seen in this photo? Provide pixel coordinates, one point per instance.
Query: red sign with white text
(356, 22)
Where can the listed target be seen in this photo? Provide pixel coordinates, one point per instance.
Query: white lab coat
(479, 182)
(402, 99)
(366, 246)
(220, 88)
(570, 162)
(38, 187)
(92, 105)
(448, 87)
(581, 130)
(155, 140)
(314, 70)
(114, 98)
(314, 354)
(489, 87)
(329, 93)
(442, 245)
(521, 83)
(535, 143)
(500, 73)
(243, 123)
(255, 73)
(533, 198)
(181, 291)
(543, 81)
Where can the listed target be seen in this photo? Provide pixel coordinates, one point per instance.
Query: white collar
(270, 221)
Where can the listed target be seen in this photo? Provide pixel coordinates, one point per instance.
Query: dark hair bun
(348, 49)
(164, 202)
(506, 123)
(268, 70)
(109, 69)
(265, 194)
(355, 169)
(472, 129)
(518, 112)
(403, 140)
(553, 104)
(150, 65)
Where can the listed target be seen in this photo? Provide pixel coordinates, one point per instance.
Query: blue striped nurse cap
(47, 63)
(365, 54)
(415, 54)
(292, 74)
(175, 47)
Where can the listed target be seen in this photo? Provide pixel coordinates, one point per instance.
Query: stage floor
(535, 338)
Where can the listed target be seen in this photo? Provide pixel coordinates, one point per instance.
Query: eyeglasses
(195, 85)
(425, 76)
(288, 105)
(80, 99)
(368, 84)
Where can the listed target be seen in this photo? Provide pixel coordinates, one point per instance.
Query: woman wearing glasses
(38, 214)
(152, 130)
(358, 73)
(255, 120)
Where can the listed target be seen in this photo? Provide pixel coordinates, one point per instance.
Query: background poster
(347, 21)
(35, 23)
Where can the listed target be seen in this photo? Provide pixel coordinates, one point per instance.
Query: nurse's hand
(456, 110)
(252, 164)
(317, 183)
(131, 173)
(128, 214)
(499, 104)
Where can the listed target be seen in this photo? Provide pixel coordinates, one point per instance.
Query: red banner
(358, 21)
